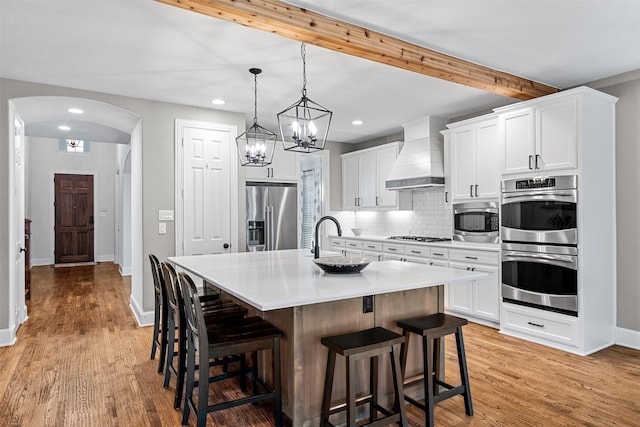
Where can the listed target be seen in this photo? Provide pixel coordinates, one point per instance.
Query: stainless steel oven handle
(551, 259)
(532, 197)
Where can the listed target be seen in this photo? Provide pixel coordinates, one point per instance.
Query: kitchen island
(289, 290)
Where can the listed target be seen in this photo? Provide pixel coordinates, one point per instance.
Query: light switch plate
(162, 228)
(165, 215)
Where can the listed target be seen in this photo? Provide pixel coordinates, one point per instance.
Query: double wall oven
(540, 242)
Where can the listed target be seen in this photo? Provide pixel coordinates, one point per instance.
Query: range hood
(421, 160)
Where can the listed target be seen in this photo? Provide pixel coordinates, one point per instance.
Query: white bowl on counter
(357, 231)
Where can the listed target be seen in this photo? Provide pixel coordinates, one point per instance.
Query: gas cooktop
(420, 238)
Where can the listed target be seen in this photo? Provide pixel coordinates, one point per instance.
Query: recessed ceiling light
(218, 101)
(64, 127)
(75, 111)
(356, 122)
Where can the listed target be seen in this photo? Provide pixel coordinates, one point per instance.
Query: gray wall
(628, 196)
(158, 123)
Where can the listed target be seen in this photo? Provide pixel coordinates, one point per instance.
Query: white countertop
(284, 279)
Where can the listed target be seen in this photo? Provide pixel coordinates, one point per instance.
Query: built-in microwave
(476, 222)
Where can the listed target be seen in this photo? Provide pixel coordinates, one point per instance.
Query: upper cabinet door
(463, 160)
(516, 133)
(487, 162)
(385, 158)
(367, 178)
(557, 135)
(349, 181)
(283, 168)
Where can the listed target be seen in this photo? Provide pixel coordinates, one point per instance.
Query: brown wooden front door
(74, 218)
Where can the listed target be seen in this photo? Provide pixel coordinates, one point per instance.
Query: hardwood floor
(81, 360)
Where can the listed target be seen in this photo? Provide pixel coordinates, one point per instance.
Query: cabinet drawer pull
(371, 247)
(353, 245)
(416, 252)
(392, 249)
(471, 257)
(438, 254)
(537, 325)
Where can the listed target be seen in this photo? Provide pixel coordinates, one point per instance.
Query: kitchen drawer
(417, 251)
(337, 242)
(474, 257)
(393, 248)
(539, 323)
(439, 254)
(392, 257)
(353, 244)
(416, 259)
(372, 246)
(439, 262)
(373, 256)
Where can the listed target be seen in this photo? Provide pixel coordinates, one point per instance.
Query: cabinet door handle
(377, 204)
(476, 190)
(471, 190)
(537, 161)
(537, 325)
(446, 197)
(530, 162)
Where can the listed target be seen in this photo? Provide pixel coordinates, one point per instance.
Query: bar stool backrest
(155, 273)
(194, 316)
(168, 280)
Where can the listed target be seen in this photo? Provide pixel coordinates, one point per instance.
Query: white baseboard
(106, 258)
(8, 336)
(125, 271)
(40, 261)
(628, 338)
(144, 318)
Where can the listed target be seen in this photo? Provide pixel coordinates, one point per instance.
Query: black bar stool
(159, 314)
(213, 306)
(432, 328)
(209, 340)
(370, 343)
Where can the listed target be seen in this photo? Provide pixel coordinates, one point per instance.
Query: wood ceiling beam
(310, 27)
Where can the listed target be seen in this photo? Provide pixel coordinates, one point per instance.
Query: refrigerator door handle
(269, 216)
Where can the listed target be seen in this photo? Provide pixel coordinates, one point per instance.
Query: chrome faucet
(316, 248)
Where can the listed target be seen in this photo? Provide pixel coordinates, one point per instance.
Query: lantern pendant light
(304, 125)
(256, 145)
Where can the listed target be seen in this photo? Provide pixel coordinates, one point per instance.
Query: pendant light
(304, 125)
(256, 145)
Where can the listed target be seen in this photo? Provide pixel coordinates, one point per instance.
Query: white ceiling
(145, 49)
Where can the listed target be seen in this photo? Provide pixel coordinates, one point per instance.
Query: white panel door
(516, 133)
(206, 195)
(350, 182)
(367, 179)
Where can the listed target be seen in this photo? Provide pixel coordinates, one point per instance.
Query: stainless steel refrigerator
(272, 221)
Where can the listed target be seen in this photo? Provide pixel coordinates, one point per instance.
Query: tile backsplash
(430, 217)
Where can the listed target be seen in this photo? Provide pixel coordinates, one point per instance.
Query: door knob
(225, 245)
(23, 249)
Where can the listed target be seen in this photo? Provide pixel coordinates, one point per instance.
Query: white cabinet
(364, 173)
(478, 298)
(283, 168)
(475, 159)
(541, 137)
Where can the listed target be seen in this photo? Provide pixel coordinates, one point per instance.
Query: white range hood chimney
(421, 160)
